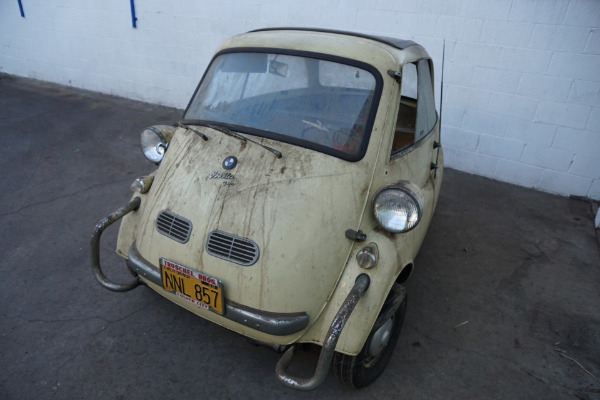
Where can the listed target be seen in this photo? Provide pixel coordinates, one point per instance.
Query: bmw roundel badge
(230, 162)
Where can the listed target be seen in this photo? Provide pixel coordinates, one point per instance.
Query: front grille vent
(174, 226)
(232, 248)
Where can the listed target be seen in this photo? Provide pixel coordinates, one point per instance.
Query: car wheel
(362, 370)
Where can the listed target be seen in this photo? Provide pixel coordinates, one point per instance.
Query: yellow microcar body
(307, 213)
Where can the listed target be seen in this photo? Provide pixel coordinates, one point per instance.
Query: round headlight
(396, 208)
(153, 144)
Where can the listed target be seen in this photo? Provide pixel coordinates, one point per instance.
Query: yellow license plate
(197, 288)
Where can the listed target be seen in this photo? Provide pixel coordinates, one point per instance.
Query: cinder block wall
(521, 84)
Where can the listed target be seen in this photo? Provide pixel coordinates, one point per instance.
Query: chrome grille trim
(232, 248)
(174, 226)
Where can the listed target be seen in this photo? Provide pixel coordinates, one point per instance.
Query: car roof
(394, 42)
(380, 52)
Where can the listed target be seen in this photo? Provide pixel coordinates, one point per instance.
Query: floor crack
(512, 362)
(57, 384)
(61, 197)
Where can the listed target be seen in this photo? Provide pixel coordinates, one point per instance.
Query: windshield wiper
(229, 132)
(243, 138)
(182, 125)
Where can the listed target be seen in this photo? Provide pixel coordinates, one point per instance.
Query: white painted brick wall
(476, 163)
(499, 147)
(496, 80)
(519, 173)
(594, 122)
(562, 114)
(547, 157)
(514, 105)
(522, 77)
(532, 133)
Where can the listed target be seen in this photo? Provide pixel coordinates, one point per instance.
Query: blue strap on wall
(133, 17)
(21, 8)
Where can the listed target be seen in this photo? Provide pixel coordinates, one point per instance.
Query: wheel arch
(405, 273)
(363, 318)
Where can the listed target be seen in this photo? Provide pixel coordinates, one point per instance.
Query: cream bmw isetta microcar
(291, 199)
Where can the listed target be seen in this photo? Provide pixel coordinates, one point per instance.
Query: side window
(416, 115)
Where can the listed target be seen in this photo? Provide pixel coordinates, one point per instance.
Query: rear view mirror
(278, 68)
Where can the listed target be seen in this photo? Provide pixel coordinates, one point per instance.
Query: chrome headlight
(397, 208)
(153, 144)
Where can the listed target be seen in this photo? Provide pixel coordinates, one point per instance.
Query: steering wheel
(345, 141)
(316, 135)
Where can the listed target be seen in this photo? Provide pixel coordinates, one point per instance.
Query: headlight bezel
(151, 140)
(402, 188)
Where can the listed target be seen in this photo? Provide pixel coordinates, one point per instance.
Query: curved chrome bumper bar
(333, 334)
(278, 324)
(95, 248)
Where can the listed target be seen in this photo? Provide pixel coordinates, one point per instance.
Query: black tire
(363, 369)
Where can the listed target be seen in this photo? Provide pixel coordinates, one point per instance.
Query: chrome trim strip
(142, 267)
(277, 324)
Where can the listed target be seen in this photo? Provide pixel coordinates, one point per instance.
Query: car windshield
(307, 101)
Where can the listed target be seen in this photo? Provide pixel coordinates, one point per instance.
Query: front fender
(382, 277)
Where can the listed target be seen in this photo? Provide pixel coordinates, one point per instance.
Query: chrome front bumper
(278, 324)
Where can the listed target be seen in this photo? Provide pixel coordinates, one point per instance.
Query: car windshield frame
(360, 148)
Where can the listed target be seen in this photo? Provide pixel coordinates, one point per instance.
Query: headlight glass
(153, 144)
(397, 209)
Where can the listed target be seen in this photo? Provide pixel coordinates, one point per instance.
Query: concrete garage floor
(504, 302)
